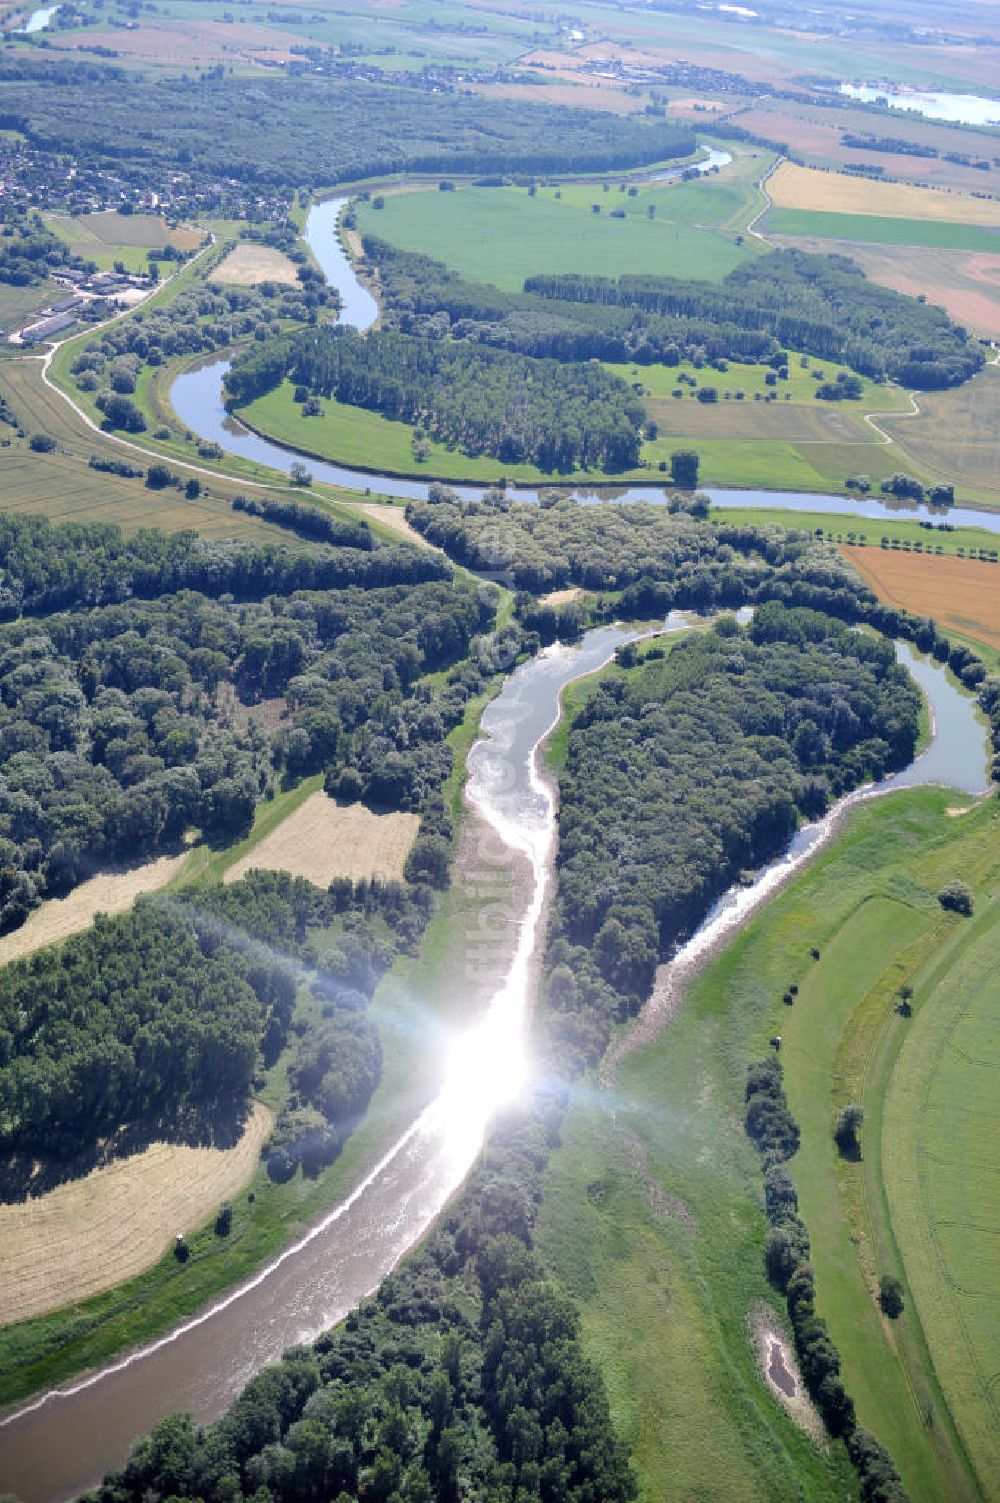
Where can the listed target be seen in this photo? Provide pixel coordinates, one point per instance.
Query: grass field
(941, 1110)
(849, 528)
(18, 303)
(63, 487)
(660, 381)
(882, 230)
(954, 437)
(502, 235)
(959, 593)
(322, 840)
(794, 187)
(108, 237)
(652, 1214)
(355, 436)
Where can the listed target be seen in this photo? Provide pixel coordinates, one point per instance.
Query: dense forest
(658, 559)
(824, 305)
(124, 724)
(695, 768)
(162, 1019)
(288, 133)
(481, 401)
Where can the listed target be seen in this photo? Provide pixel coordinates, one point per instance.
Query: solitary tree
(846, 1131)
(957, 897)
(684, 468)
(890, 1296)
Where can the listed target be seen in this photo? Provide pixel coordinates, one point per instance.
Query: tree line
(481, 401)
(824, 305)
(775, 1133)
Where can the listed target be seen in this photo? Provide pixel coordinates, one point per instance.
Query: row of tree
(770, 1124)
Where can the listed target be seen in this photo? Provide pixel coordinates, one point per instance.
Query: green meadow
(653, 1215)
(871, 227)
(502, 235)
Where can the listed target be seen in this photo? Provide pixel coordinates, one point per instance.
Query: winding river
(197, 399)
(59, 1444)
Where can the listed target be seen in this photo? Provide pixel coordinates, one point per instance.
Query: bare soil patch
(324, 839)
(108, 892)
(793, 187)
(561, 597)
(963, 593)
(93, 1233)
(583, 95)
(394, 517)
(780, 1371)
(247, 265)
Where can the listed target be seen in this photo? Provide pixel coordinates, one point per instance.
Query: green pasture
(354, 436)
(502, 235)
(805, 374)
(941, 1116)
(867, 531)
(653, 1215)
(870, 227)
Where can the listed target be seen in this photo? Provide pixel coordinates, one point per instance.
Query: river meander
(197, 398)
(63, 1441)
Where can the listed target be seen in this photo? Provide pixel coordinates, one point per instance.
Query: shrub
(890, 1296)
(957, 898)
(41, 443)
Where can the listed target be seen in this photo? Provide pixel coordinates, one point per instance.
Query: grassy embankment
(420, 997)
(653, 1216)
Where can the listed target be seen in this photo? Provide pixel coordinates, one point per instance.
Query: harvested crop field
(248, 265)
(793, 187)
(108, 892)
(580, 96)
(965, 283)
(190, 43)
(95, 1232)
(324, 839)
(817, 133)
(962, 593)
(394, 518)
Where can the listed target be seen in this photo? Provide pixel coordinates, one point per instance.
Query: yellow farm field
(793, 187)
(962, 593)
(247, 265)
(108, 892)
(92, 1233)
(323, 840)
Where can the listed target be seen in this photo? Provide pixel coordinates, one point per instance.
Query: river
(197, 398)
(61, 1443)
